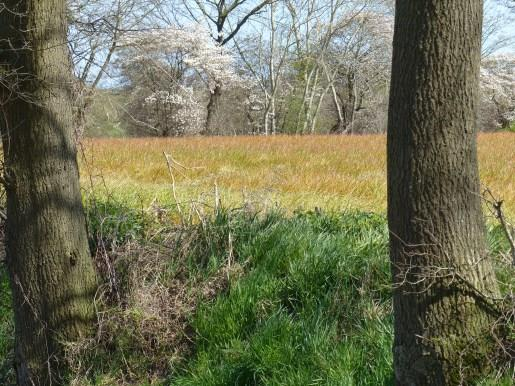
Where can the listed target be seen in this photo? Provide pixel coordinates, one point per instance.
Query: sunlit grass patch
(333, 172)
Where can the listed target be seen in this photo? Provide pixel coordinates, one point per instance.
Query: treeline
(254, 67)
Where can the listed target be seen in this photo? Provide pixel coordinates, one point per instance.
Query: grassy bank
(238, 298)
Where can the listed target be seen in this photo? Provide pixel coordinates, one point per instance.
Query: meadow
(304, 172)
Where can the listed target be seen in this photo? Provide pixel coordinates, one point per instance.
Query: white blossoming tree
(225, 19)
(169, 72)
(497, 92)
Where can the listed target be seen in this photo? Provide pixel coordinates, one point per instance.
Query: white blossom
(498, 86)
(200, 52)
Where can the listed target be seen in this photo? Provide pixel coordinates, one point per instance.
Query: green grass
(313, 308)
(6, 329)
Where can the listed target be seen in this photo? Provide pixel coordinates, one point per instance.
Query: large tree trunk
(48, 259)
(438, 253)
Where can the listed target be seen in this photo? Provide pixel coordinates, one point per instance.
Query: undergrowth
(6, 330)
(236, 298)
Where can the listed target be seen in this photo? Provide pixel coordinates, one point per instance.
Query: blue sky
(506, 22)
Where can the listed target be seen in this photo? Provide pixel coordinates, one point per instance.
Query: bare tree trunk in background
(49, 264)
(350, 103)
(212, 109)
(308, 103)
(215, 95)
(302, 109)
(273, 116)
(317, 108)
(339, 127)
(273, 85)
(443, 279)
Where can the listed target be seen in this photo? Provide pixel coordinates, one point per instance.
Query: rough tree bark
(443, 281)
(50, 268)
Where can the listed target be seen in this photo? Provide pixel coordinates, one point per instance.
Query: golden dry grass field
(296, 172)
